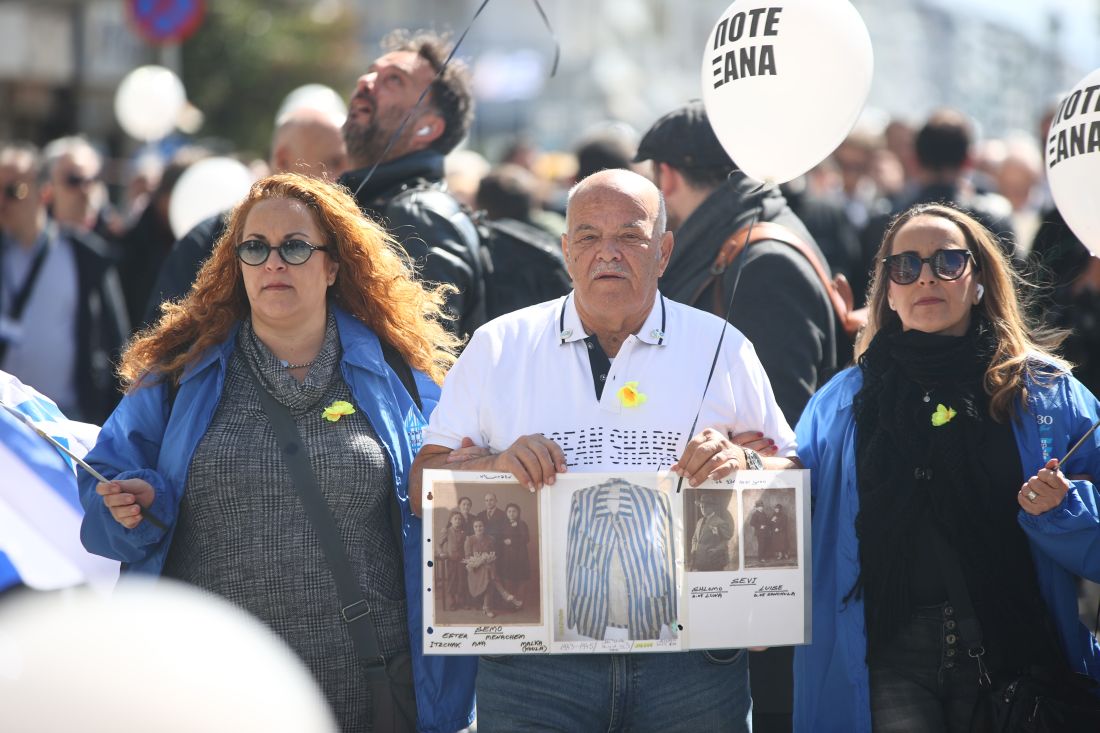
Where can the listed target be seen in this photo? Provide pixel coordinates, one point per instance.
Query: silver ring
(1031, 496)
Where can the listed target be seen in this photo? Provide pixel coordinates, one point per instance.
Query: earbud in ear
(980, 291)
(423, 131)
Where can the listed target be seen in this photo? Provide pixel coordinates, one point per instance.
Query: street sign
(166, 21)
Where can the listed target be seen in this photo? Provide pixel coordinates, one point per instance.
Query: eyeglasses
(946, 264)
(293, 251)
(75, 180)
(16, 191)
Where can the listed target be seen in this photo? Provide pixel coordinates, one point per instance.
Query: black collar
(424, 164)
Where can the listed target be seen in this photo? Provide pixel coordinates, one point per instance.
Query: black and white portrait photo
(486, 550)
(710, 530)
(769, 529)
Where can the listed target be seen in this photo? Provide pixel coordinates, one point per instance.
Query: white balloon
(148, 102)
(314, 96)
(154, 656)
(1073, 160)
(784, 82)
(208, 187)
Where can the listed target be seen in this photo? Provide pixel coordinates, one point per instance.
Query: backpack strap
(839, 291)
(403, 371)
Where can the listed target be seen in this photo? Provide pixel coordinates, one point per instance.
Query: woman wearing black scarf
(943, 435)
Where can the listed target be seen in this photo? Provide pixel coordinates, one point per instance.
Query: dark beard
(365, 143)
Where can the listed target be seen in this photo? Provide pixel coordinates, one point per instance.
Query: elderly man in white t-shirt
(608, 378)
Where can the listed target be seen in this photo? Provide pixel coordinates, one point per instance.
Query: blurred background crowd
(960, 104)
(960, 101)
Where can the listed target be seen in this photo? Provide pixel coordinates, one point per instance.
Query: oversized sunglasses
(946, 264)
(75, 180)
(293, 251)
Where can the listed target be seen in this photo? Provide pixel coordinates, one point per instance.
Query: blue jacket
(147, 438)
(830, 675)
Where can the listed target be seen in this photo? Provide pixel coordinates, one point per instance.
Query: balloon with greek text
(784, 82)
(1073, 160)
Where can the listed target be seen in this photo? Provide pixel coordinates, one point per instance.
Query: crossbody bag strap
(403, 371)
(20, 298)
(969, 628)
(354, 609)
(388, 715)
(727, 253)
(773, 231)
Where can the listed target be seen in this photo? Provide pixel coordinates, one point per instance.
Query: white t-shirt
(528, 372)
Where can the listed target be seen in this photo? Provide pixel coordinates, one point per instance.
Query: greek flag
(40, 510)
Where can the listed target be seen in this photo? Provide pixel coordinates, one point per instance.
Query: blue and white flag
(40, 510)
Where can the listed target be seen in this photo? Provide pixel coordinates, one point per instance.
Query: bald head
(615, 248)
(310, 142)
(626, 182)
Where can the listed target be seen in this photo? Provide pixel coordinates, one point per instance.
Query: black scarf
(913, 474)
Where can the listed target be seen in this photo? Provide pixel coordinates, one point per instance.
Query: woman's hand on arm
(126, 498)
(1043, 491)
(766, 448)
(754, 440)
(467, 451)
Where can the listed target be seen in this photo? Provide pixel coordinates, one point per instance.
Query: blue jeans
(658, 692)
(923, 681)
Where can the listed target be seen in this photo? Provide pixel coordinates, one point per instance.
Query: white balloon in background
(1073, 160)
(784, 82)
(152, 657)
(148, 102)
(315, 96)
(208, 187)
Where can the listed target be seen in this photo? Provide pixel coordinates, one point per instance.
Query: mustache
(609, 268)
(363, 95)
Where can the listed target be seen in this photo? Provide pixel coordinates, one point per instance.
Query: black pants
(923, 681)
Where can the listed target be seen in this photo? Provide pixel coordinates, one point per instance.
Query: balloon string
(553, 37)
(442, 69)
(725, 324)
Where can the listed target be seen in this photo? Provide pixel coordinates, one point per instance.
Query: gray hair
(18, 153)
(59, 148)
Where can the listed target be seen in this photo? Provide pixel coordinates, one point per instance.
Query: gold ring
(1031, 496)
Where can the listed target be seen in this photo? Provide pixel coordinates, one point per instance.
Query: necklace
(287, 365)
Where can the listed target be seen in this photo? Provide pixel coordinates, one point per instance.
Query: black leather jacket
(408, 197)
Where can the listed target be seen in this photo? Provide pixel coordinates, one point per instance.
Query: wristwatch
(753, 462)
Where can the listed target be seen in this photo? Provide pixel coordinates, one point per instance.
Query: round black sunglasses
(292, 251)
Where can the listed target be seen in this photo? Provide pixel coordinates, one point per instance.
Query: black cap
(684, 139)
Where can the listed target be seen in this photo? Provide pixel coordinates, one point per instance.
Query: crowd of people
(272, 385)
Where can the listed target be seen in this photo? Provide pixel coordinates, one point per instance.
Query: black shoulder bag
(393, 698)
(1040, 701)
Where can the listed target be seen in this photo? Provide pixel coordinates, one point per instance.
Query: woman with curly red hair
(299, 321)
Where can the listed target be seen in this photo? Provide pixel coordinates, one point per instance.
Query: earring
(979, 292)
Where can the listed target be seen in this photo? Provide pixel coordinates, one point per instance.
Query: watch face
(753, 461)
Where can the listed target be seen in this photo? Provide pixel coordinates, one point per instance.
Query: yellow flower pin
(337, 410)
(942, 415)
(629, 396)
